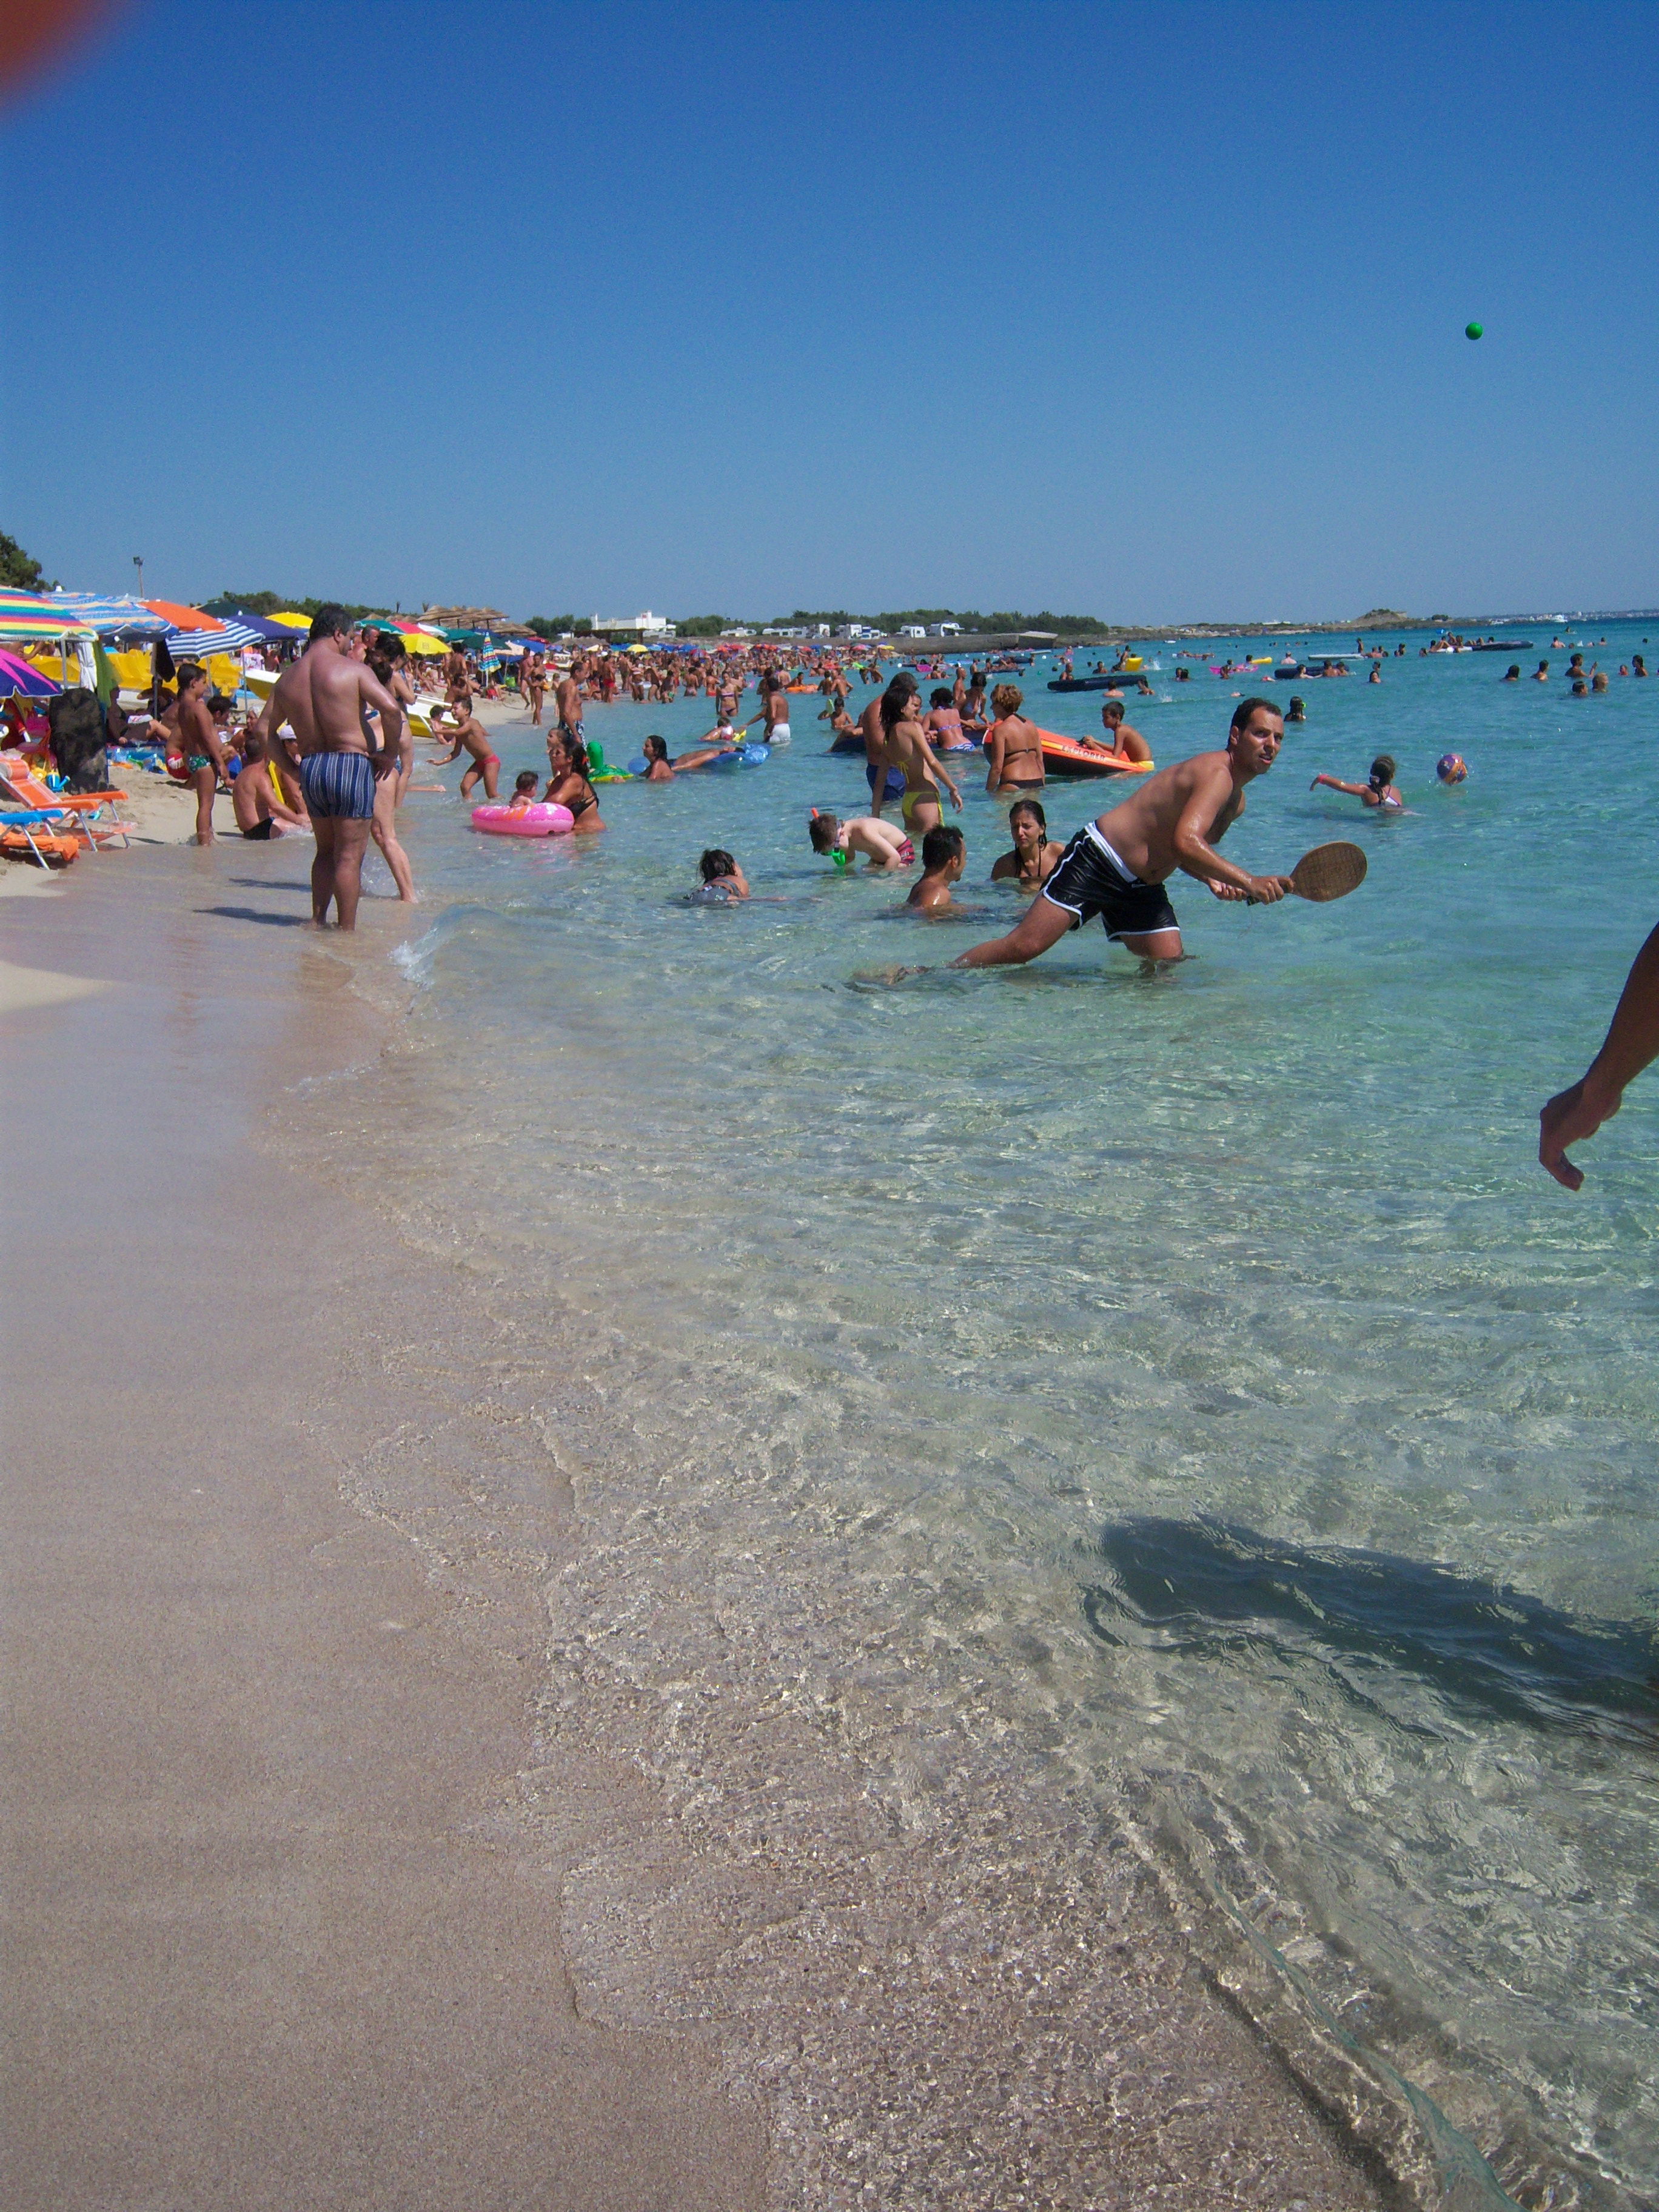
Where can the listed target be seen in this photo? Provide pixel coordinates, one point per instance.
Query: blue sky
(1154, 312)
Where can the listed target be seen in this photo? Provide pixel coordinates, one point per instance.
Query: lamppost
(138, 563)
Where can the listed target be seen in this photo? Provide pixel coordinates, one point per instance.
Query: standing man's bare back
(324, 697)
(1117, 866)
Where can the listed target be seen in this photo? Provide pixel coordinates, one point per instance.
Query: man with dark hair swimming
(1117, 865)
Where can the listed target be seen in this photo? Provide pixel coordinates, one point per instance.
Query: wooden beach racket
(1328, 872)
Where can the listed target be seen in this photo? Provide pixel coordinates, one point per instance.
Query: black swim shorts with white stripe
(1091, 879)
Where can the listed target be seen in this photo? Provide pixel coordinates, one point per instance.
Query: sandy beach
(324, 1868)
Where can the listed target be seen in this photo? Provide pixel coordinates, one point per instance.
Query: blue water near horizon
(1240, 1284)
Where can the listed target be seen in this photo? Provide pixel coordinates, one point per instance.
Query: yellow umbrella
(291, 621)
(417, 640)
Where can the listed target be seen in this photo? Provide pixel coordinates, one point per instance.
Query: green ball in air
(1473, 331)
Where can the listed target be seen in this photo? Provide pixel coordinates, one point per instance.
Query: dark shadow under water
(1207, 1588)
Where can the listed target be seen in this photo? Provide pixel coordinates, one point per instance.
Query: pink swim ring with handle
(539, 820)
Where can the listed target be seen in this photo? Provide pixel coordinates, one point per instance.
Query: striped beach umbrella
(18, 675)
(26, 617)
(121, 617)
(227, 637)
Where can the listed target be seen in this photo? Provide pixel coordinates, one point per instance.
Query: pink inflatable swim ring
(538, 820)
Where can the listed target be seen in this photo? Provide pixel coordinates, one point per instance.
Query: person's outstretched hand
(1570, 1117)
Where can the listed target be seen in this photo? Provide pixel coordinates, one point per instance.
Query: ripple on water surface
(1238, 1285)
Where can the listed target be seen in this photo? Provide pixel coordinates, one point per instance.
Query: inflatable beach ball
(1474, 331)
(1451, 768)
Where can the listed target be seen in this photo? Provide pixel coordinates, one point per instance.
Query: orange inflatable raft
(1069, 757)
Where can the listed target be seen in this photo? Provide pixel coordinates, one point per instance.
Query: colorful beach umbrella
(185, 618)
(26, 617)
(290, 620)
(120, 617)
(227, 637)
(17, 675)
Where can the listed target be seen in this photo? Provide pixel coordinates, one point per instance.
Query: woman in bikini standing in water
(1013, 745)
(905, 747)
(390, 661)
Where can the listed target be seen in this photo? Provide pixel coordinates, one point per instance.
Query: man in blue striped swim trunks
(1117, 866)
(322, 698)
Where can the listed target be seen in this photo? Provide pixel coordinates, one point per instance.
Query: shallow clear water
(1284, 1435)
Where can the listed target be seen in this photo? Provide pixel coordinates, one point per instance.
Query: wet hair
(576, 752)
(715, 863)
(1112, 706)
(822, 830)
(941, 845)
(897, 698)
(1513, 668)
(1246, 707)
(1007, 698)
(656, 749)
(1028, 806)
(1384, 768)
(525, 780)
(330, 621)
(945, 696)
(1296, 701)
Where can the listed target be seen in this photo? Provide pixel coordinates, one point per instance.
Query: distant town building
(637, 626)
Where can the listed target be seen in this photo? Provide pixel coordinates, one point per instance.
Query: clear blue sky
(1151, 312)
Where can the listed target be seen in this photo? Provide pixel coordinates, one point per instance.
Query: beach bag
(75, 719)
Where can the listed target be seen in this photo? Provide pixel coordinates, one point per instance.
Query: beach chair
(90, 814)
(23, 831)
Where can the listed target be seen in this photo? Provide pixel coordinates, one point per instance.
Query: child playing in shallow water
(884, 846)
(722, 881)
(1379, 791)
(524, 791)
(944, 856)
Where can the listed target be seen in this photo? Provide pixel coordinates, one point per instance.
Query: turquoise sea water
(1211, 1345)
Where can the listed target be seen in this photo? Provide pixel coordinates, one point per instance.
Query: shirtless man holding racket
(1117, 867)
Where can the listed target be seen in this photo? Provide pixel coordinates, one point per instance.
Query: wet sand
(308, 1902)
(269, 1939)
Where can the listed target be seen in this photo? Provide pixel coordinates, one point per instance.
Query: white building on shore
(641, 627)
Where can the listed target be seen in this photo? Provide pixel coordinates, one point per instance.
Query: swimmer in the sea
(943, 723)
(524, 790)
(1379, 791)
(723, 880)
(1512, 673)
(1035, 856)
(944, 856)
(1297, 711)
(469, 732)
(883, 843)
(1121, 738)
(661, 768)
(904, 747)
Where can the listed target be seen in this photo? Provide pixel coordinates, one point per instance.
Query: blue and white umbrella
(197, 644)
(111, 618)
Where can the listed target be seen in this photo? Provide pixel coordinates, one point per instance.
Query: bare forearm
(1633, 1040)
(1195, 858)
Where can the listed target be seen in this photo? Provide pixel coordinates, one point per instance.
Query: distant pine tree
(20, 571)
